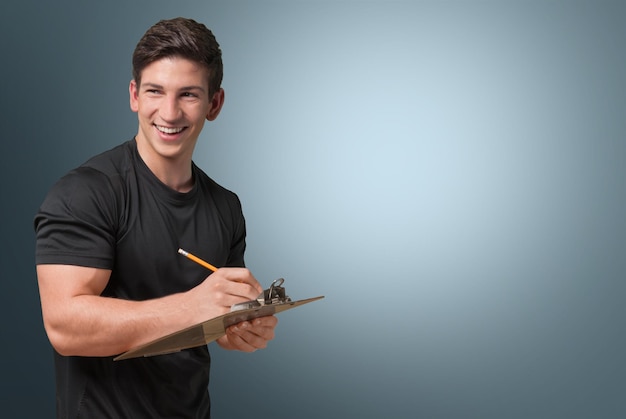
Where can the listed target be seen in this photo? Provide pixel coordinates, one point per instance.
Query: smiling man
(108, 233)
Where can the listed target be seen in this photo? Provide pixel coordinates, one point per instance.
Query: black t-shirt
(113, 213)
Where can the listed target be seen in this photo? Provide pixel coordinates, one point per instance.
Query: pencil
(197, 260)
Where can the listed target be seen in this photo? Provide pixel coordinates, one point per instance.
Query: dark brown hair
(180, 37)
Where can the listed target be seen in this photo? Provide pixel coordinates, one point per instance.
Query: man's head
(183, 38)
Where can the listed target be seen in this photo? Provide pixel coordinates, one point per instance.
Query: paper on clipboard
(208, 331)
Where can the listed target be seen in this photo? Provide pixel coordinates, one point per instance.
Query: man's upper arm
(58, 284)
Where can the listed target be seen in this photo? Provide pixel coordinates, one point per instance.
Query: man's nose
(170, 109)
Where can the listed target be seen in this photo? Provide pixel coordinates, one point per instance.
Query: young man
(110, 277)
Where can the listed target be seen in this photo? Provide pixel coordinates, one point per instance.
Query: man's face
(172, 104)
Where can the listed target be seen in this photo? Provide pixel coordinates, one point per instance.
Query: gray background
(450, 174)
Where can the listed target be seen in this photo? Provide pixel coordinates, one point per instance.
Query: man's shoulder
(101, 173)
(114, 161)
(216, 190)
(226, 201)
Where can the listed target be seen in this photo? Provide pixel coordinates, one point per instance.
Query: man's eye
(189, 94)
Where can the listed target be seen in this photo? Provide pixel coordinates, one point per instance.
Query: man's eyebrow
(182, 89)
(151, 85)
(186, 88)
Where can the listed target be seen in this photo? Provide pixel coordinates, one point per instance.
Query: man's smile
(169, 130)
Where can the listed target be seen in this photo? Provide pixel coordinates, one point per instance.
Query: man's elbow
(59, 340)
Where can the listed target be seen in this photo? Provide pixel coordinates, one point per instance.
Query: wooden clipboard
(207, 331)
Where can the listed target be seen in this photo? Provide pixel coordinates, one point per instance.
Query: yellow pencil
(197, 260)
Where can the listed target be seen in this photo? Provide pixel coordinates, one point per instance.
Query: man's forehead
(176, 72)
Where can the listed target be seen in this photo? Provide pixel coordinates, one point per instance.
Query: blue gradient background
(450, 174)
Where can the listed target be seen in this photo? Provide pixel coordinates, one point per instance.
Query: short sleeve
(77, 221)
(238, 246)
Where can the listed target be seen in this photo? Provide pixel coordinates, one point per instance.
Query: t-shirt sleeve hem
(66, 259)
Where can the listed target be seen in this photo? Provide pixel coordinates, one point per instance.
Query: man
(109, 274)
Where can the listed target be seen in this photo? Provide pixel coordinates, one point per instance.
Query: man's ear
(217, 101)
(133, 93)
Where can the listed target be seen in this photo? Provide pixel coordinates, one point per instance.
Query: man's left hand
(249, 336)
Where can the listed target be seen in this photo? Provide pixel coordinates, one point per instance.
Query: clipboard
(269, 303)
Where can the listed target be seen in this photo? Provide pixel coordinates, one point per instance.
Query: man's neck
(178, 180)
(175, 173)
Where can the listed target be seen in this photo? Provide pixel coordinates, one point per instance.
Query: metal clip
(275, 294)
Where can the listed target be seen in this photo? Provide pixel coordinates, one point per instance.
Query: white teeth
(167, 130)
